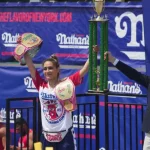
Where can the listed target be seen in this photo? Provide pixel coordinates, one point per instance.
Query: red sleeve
(76, 79)
(38, 81)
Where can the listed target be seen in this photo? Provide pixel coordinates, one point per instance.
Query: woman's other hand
(19, 39)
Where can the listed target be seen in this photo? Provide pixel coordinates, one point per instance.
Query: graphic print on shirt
(52, 108)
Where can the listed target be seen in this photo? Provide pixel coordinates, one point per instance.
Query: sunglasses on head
(49, 68)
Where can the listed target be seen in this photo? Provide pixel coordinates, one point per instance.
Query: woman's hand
(95, 48)
(110, 57)
(106, 54)
(19, 39)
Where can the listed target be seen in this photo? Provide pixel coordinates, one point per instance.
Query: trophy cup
(29, 43)
(98, 7)
(98, 70)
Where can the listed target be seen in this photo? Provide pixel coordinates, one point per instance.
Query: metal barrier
(87, 139)
(81, 138)
(131, 133)
(122, 122)
(31, 113)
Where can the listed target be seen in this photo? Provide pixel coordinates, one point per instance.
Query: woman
(56, 120)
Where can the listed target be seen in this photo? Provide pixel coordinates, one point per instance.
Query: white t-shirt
(53, 115)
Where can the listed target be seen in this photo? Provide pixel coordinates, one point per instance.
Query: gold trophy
(98, 7)
(98, 69)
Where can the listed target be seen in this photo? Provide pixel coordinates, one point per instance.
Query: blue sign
(65, 30)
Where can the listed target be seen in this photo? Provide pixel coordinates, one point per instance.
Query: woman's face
(50, 71)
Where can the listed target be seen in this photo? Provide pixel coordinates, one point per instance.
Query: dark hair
(20, 121)
(52, 59)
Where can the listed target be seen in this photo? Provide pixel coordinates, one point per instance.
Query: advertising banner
(65, 30)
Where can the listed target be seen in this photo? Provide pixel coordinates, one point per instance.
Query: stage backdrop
(64, 28)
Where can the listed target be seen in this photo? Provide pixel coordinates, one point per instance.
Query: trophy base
(98, 91)
(98, 19)
(106, 90)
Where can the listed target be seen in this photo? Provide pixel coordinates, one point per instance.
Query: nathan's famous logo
(125, 87)
(9, 39)
(51, 107)
(78, 41)
(84, 120)
(121, 87)
(30, 87)
(12, 115)
(126, 26)
(128, 20)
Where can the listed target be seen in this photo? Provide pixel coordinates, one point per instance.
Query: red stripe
(68, 55)
(122, 105)
(101, 103)
(12, 130)
(29, 100)
(87, 136)
(141, 142)
(7, 53)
